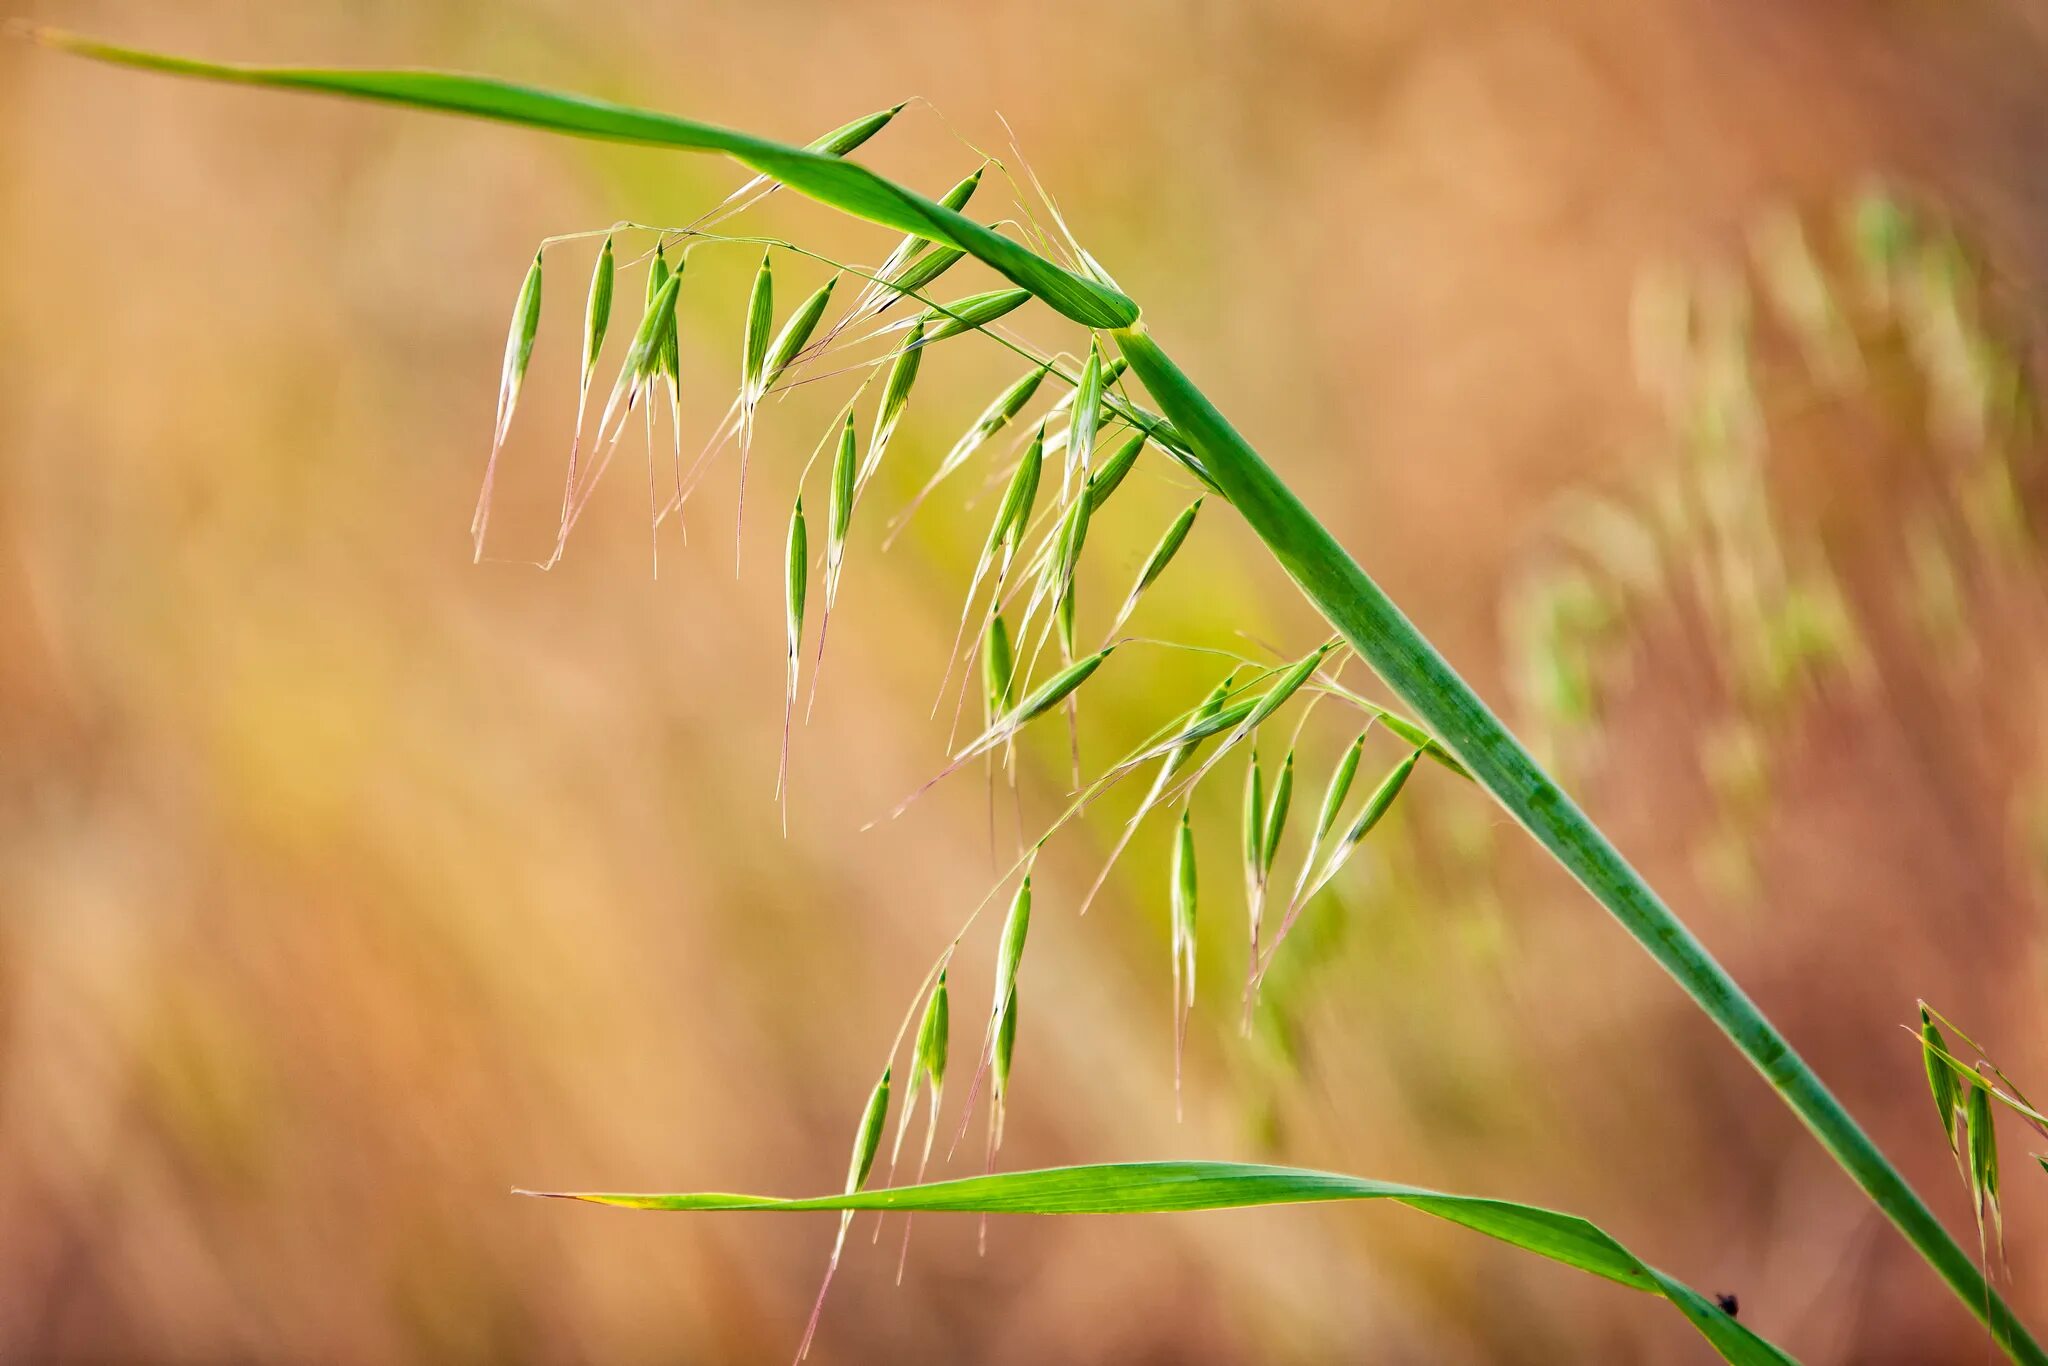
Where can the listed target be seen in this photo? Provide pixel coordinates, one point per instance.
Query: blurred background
(1673, 365)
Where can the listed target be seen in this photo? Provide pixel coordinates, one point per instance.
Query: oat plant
(1023, 618)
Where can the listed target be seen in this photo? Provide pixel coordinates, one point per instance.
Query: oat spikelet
(518, 351)
(867, 1142)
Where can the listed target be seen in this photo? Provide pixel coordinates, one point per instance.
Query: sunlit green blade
(843, 184)
(1163, 1187)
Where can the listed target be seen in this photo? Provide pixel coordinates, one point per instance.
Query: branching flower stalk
(1450, 723)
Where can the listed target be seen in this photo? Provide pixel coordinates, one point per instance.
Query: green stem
(1411, 666)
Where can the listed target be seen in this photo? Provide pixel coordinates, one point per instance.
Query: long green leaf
(1326, 573)
(1175, 1187)
(832, 180)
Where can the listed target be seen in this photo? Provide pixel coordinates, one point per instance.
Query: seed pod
(998, 415)
(1177, 752)
(796, 578)
(1055, 690)
(597, 312)
(839, 512)
(1941, 1080)
(1087, 413)
(1340, 786)
(1064, 568)
(754, 343)
(973, 312)
(926, 268)
(1010, 951)
(1013, 514)
(933, 1036)
(790, 341)
(1005, 1052)
(1376, 806)
(1290, 683)
(868, 1138)
(519, 345)
(1276, 815)
(845, 138)
(1184, 890)
(1114, 468)
(643, 356)
(895, 397)
(1254, 820)
(518, 351)
(1162, 554)
(998, 670)
(928, 1063)
(1984, 1158)
(922, 272)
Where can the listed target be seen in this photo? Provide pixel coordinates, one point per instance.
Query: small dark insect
(1729, 1305)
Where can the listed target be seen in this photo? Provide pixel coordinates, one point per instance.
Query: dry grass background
(347, 885)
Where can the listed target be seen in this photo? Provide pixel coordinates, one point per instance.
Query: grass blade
(1178, 1187)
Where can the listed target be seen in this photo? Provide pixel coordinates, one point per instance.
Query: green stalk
(1333, 581)
(1403, 657)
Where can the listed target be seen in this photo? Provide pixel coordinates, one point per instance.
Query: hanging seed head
(840, 512)
(1169, 546)
(643, 357)
(1276, 815)
(519, 345)
(995, 417)
(1005, 1048)
(668, 360)
(1087, 411)
(1010, 952)
(1289, 684)
(1983, 1152)
(1184, 890)
(760, 317)
(1114, 467)
(1254, 817)
(924, 270)
(933, 1035)
(845, 138)
(796, 580)
(796, 333)
(1340, 786)
(973, 312)
(1055, 690)
(957, 197)
(868, 1138)
(998, 670)
(1941, 1079)
(1381, 800)
(895, 397)
(597, 312)
(1013, 514)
